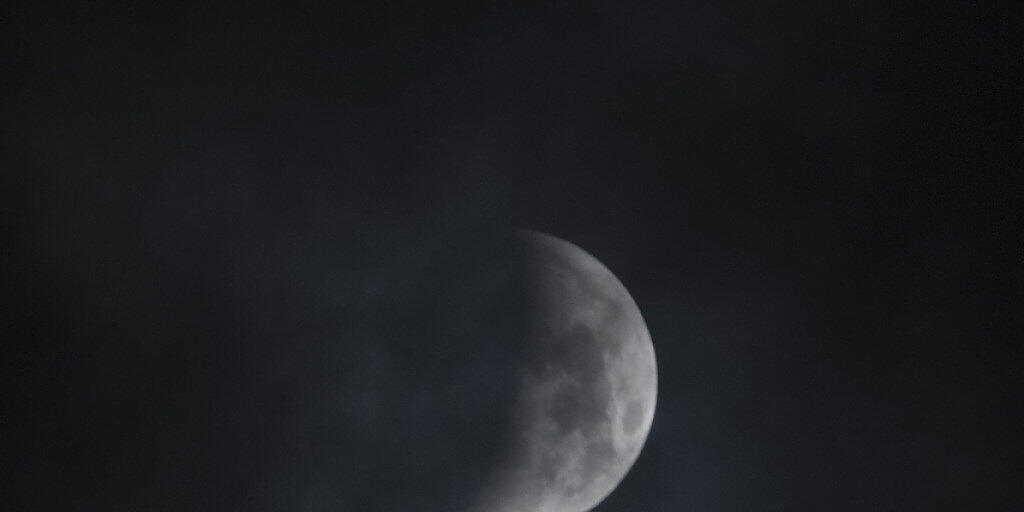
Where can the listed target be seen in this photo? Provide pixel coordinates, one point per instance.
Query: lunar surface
(585, 391)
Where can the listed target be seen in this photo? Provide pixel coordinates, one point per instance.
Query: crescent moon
(586, 390)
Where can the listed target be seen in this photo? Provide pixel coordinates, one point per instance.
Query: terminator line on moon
(586, 394)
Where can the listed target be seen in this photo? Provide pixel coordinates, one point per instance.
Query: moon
(585, 389)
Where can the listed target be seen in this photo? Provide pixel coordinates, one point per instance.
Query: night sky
(227, 227)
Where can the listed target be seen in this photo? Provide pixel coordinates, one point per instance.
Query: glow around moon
(586, 392)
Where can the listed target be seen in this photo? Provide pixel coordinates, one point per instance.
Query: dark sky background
(216, 211)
